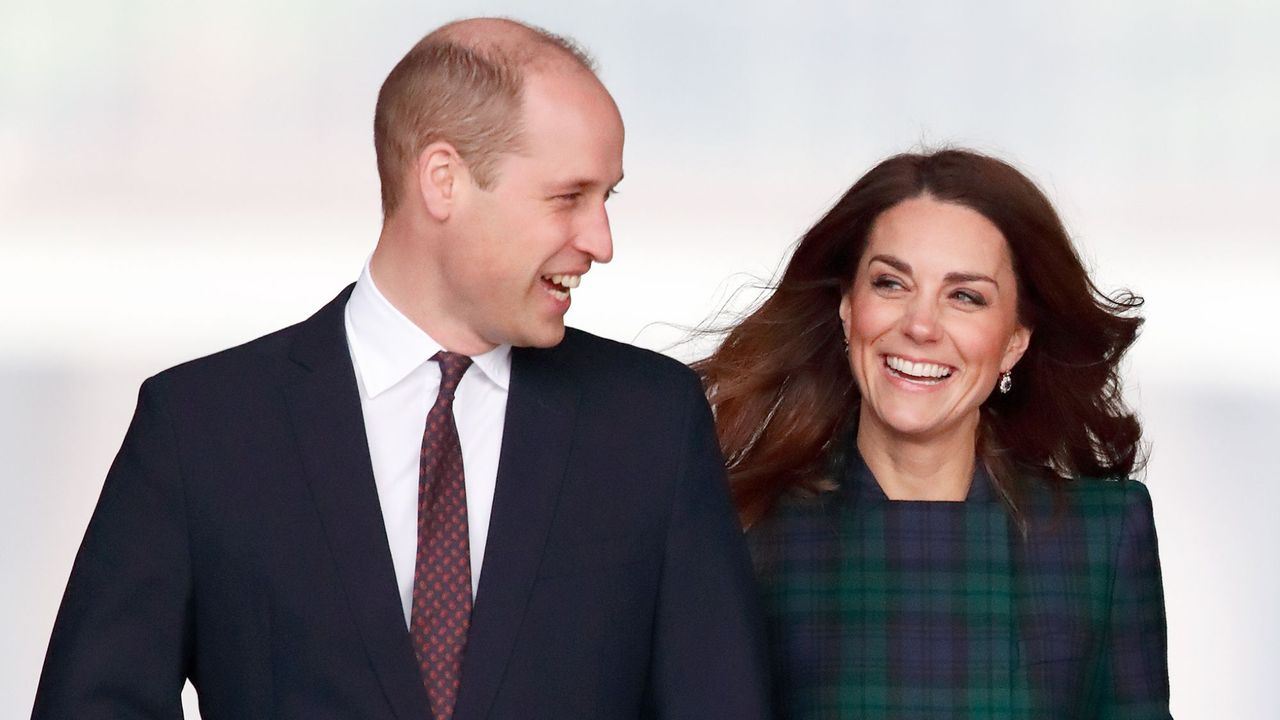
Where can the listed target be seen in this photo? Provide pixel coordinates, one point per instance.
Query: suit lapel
(535, 449)
(324, 407)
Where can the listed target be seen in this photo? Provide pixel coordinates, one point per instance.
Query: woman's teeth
(917, 370)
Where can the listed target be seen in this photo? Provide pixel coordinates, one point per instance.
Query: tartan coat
(904, 609)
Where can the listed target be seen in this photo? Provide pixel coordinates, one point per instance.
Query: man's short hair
(464, 91)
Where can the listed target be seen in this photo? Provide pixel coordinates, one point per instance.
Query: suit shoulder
(266, 356)
(604, 360)
(255, 355)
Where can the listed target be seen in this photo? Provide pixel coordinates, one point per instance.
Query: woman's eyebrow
(903, 266)
(898, 264)
(969, 277)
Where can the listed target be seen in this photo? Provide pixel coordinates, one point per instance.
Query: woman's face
(931, 319)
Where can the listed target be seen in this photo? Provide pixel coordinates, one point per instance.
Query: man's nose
(594, 236)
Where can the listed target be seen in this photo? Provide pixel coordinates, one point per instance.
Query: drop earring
(1006, 382)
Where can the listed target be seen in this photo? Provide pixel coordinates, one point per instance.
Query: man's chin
(543, 337)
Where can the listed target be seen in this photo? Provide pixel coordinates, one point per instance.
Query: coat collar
(860, 483)
(536, 440)
(324, 407)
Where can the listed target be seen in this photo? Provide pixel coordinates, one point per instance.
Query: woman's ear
(1018, 343)
(846, 305)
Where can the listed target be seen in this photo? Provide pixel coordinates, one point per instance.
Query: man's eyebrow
(582, 183)
(903, 266)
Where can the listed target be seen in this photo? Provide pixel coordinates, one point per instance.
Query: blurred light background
(176, 178)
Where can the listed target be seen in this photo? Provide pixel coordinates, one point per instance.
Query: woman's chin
(912, 425)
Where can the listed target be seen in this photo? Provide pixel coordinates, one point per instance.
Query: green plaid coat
(884, 609)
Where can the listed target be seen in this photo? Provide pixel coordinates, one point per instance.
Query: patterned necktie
(442, 575)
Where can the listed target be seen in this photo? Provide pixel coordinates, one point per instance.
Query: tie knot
(452, 367)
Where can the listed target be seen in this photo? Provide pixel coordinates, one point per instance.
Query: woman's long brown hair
(785, 401)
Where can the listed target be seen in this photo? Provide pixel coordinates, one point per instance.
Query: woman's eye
(969, 297)
(885, 282)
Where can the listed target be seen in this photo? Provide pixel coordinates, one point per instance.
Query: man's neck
(405, 275)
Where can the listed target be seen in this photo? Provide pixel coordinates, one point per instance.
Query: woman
(928, 446)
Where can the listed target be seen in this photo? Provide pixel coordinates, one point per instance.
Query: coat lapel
(535, 449)
(324, 407)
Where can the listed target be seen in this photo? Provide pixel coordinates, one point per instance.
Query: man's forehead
(560, 104)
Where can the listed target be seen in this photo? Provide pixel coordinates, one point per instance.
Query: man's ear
(441, 176)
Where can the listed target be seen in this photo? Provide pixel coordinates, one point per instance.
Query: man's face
(521, 246)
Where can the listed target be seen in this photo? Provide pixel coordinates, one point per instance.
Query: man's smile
(559, 285)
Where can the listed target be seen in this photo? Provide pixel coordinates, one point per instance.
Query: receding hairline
(522, 45)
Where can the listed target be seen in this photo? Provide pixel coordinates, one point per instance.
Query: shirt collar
(387, 346)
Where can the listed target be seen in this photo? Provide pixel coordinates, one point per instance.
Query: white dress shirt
(398, 385)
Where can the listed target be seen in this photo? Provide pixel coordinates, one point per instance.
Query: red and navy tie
(442, 575)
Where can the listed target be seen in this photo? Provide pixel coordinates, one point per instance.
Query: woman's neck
(938, 467)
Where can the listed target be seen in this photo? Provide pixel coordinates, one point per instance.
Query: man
(558, 543)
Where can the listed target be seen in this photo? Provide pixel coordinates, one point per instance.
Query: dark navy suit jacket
(239, 542)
